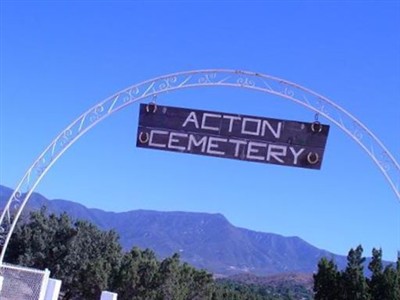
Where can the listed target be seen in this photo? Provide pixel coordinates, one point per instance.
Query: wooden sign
(258, 139)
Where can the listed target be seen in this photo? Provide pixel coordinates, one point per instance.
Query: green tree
(327, 281)
(79, 254)
(390, 288)
(354, 285)
(376, 282)
(168, 279)
(142, 276)
(201, 285)
(384, 282)
(89, 260)
(137, 276)
(181, 281)
(41, 241)
(93, 257)
(397, 287)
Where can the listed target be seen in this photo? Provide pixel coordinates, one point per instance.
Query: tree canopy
(352, 284)
(89, 260)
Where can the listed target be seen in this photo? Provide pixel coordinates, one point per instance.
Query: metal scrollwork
(167, 83)
(133, 93)
(385, 161)
(41, 165)
(126, 97)
(244, 81)
(17, 200)
(207, 78)
(289, 92)
(357, 132)
(322, 107)
(17, 197)
(96, 113)
(66, 137)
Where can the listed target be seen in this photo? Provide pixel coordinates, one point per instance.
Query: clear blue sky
(60, 58)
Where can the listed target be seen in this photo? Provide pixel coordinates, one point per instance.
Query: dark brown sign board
(249, 138)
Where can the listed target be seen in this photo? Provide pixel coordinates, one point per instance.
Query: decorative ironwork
(201, 78)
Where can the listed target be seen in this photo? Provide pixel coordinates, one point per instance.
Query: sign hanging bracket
(152, 106)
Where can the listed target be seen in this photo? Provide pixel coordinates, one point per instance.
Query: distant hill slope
(300, 285)
(300, 279)
(204, 240)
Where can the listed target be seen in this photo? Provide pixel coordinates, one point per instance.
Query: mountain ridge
(204, 240)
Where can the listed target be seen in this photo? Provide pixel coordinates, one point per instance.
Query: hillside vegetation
(89, 260)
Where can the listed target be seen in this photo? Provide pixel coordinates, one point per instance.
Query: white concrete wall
(108, 296)
(53, 289)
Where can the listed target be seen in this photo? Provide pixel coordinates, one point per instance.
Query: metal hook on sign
(316, 126)
(145, 139)
(312, 158)
(152, 106)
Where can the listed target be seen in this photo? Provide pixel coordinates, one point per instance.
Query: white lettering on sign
(231, 119)
(197, 143)
(276, 133)
(248, 126)
(237, 145)
(204, 120)
(151, 139)
(236, 136)
(173, 142)
(275, 151)
(257, 123)
(193, 119)
(213, 145)
(218, 146)
(296, 154)
(252, 150)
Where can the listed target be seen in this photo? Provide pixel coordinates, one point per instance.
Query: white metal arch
(198, 78)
